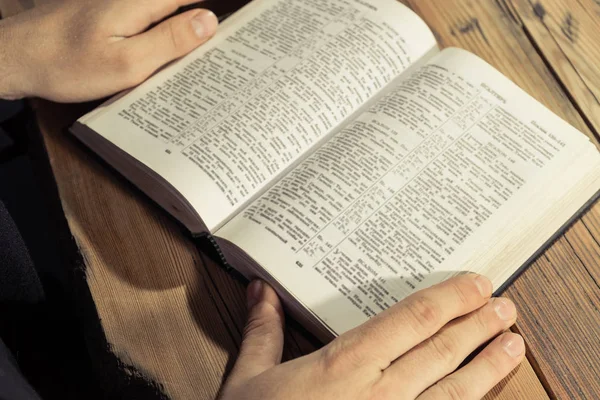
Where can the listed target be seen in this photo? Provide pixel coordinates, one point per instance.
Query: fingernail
(484, 285)
(504, 308)
(513, 344)
(205, 24)
(254, 293)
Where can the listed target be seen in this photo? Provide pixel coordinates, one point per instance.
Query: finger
(262, 345)
(143, 54)
(442, 353)
(134, 16)
(398, 329)
(487, 369)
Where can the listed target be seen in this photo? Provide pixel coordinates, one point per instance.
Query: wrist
(14, 66)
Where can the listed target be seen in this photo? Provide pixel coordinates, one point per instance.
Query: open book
(330, 148)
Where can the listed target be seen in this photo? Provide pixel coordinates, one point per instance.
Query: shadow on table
(124, 262)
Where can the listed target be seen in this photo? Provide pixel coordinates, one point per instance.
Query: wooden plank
(522, 383)
(561, 322)
(566, 34)
(563, 357)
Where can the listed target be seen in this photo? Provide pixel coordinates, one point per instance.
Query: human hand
(410, 351)
(79, 50)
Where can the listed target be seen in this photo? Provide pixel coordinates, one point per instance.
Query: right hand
(410, 351)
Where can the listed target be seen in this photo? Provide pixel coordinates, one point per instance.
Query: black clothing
(19, 282)
(12, 384)
(48, 319)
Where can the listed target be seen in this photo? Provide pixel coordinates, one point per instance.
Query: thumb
(169, 40)
(262, 345)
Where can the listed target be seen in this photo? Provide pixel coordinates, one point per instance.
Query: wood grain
(557, 297)
(566, 34)
(176, 315)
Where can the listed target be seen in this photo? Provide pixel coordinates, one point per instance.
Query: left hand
(79, 50)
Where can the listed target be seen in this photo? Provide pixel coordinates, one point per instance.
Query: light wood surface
(178, 318)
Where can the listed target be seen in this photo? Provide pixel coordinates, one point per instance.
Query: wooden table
(176, 317)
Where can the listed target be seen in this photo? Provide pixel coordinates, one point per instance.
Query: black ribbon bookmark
(207, 245)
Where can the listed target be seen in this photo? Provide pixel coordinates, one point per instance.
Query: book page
(432, 176)
(279, 76)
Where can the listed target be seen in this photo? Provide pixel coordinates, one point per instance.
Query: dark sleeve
(16, 277)
(12, 384)
(18, 282)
